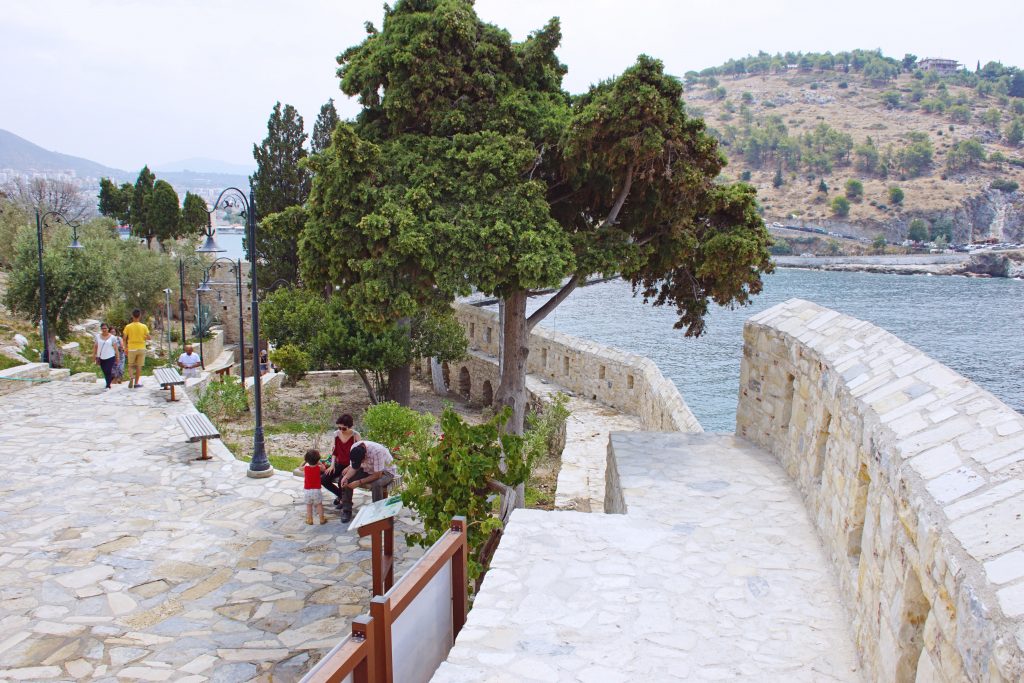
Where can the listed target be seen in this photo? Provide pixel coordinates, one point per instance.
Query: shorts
(314, 496)
(136, 358)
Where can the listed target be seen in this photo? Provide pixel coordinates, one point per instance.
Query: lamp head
(209, 246)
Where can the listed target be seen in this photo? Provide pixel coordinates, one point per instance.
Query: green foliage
(879, 243)
(854, 189)
(280, 186)
(960, 113)
(407, 432)
(832, 247)
(77, 282)
(1004, 185)
(822, 186)
(896, 195)
(964, 155)
(294, 361)
(747, 98)
(840, 206)
(451, 478)
(1015, 132)
(992, 117)
(777, 180)
(942, 227)
(867, 156)
(323, 128)
(194, 217)
(116, 202)
(13, 220)
(892, 99)
(162, 213)
(780, 247)
(916, 157)
(719, 93)
(918, 231)
(545, 433)
(745, 176)
(223, 400)
(137, 213)
(203, 322)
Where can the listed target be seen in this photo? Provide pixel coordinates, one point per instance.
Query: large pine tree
(325, 124)
(278, 184)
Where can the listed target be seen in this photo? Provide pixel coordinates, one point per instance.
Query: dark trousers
(328, 481)
(107, 365)
(378, 489)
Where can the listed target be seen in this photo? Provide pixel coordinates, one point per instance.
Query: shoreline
(988, 264)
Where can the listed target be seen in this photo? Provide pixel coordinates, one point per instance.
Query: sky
(133, 82)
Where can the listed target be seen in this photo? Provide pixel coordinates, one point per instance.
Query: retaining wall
(19, 377)
(627, 382)
(914, 477)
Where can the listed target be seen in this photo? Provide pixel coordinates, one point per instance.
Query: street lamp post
(181, 298)
(75, 244)
(199, 328)
(259, 466)
(236, 268)
(208, 247)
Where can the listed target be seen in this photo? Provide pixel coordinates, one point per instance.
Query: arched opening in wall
(787, 404)
(855, 536)
(543, 359)
(464, 382)
(821, 444)
(910, 629)
(487, 335)
(565, 366)
(446, 373)
(472, 331)
(487, 393)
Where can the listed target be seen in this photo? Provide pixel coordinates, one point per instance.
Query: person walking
(119, 365)
(189, 362)
(105, 353)
(136, 334)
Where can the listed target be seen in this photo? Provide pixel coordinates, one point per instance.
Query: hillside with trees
(869, 143)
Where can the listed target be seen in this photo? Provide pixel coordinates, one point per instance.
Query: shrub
(854, 189)
(841, 206)
(223, 400)
(843, 85)
(879, 243)
(1004, 185)
(896, 195)
(203, 322)
(780, 247)
(294, 361)
(960, 113)
(453, 477)
(407, 432)
(777, 181)
(545, 433)
(918, 231)
(745, 176)
(822, 186)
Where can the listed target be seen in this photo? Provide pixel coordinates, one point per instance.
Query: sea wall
(627, 382)
(914, 478)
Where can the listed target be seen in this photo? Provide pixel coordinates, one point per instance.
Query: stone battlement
(914, 478)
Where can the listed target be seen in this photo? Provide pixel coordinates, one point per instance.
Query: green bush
(224, 400)
(918, 231)
(896, 195)
(745, 176)
(545, 434)
(405, 431)
(780, 248)
(452, 478)
(294, 361)
(1004, 185)
(854, 189)
(841, 206)
(203, 322)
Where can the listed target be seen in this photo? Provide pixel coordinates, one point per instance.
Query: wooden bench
(169, 378)
(197, 427)
(221, 370)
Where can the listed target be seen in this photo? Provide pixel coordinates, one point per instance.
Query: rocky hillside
(800, 131)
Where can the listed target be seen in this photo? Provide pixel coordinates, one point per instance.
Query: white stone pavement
(713, 573)
(121, 558)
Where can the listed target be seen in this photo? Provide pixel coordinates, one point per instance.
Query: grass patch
(537, 498)
(6, 362)
(282, 463)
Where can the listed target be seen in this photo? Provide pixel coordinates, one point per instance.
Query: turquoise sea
(975, 326)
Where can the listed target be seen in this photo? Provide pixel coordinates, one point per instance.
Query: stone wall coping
(950, 448)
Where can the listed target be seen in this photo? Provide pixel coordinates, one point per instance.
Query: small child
(314, 496)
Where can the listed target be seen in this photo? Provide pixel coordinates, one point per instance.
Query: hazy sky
(128, 82)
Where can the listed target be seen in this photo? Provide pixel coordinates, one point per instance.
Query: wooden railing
(367, 654)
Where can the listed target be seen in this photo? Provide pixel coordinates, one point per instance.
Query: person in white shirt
(189, 362)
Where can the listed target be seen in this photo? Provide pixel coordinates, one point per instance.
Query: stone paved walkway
(123, 559)
(714, 573)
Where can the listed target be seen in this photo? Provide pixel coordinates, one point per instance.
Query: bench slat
(168, 376)
(197, 427)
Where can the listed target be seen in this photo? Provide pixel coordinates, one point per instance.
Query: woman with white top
(105, 352)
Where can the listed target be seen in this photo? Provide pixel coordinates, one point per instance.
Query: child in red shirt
(312, 471)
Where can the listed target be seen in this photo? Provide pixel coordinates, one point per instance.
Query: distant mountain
(204, 165)
(21, 155)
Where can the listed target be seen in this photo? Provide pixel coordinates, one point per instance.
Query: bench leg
(204, 456)
(173, 398)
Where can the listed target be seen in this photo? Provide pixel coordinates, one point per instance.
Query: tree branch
(613, 215)
(552, 303)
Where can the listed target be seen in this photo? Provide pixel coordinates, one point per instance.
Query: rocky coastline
(1005, 264)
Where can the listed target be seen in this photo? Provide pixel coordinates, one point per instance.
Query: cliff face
(990, 214)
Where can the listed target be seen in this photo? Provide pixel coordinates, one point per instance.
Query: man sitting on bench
(376, 473)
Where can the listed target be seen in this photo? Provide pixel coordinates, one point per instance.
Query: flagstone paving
(121, 558)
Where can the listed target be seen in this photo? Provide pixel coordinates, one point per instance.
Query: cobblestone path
(121, 558)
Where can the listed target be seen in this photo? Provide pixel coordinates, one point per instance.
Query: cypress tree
(325, 124)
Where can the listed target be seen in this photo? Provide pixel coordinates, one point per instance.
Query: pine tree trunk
(400, 384)
(437, 377)
(515, 349)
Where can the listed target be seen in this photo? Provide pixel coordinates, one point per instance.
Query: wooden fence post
(366, 672)
(459, 587)
(380, 610)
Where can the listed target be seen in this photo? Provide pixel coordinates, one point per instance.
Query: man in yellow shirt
(135, 336)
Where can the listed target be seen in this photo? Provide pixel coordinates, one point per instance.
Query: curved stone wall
(625, 381)
(914, 477)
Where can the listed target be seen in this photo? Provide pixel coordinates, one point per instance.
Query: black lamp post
(236, 269)
(209, 246)
(75, 244)
(259, 466)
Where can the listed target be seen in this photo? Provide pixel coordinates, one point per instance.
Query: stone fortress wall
(627, 382)
(914, 478)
